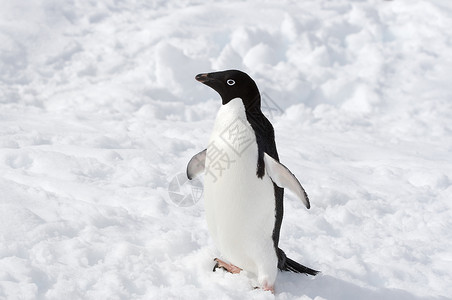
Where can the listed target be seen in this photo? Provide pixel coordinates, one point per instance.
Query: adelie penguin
(244, 182)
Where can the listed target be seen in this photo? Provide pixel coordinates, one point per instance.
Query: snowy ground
(99, 111)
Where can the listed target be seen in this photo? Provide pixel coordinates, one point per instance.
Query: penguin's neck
(232, 132)
(229, 113)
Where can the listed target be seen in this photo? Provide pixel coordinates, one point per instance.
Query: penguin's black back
(265, 138)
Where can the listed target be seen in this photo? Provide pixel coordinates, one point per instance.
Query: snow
(100, 112)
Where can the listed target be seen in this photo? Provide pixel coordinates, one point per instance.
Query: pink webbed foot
(228, 267)
(266, 287)
(270, 288)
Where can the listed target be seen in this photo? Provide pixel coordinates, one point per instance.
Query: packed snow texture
(100, 113)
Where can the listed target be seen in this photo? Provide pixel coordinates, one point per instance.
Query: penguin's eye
(230, 82)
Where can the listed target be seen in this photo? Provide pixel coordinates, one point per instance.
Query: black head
(232, 84)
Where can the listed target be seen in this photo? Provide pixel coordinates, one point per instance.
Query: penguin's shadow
(329, 287)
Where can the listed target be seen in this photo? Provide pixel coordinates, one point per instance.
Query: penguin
(244, 182)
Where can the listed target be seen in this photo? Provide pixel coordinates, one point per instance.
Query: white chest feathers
(240, 207)
(232, 145)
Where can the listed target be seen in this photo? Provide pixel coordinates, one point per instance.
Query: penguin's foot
(267, 288)
(270, 288)
(228, 267)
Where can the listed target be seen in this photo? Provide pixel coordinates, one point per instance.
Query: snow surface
(100, 112)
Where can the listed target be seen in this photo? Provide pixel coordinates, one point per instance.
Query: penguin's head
(233, 84)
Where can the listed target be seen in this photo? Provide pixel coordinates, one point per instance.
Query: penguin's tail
(295, 267)
(287, 264)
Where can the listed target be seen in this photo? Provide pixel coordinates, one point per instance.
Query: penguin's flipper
(285, 179)
(196, 165)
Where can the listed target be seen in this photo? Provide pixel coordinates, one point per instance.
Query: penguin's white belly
(240, 207)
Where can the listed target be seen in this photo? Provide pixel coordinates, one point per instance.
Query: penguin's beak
(202, 77)
(212, 81)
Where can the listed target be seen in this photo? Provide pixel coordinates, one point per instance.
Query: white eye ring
(230, 82)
